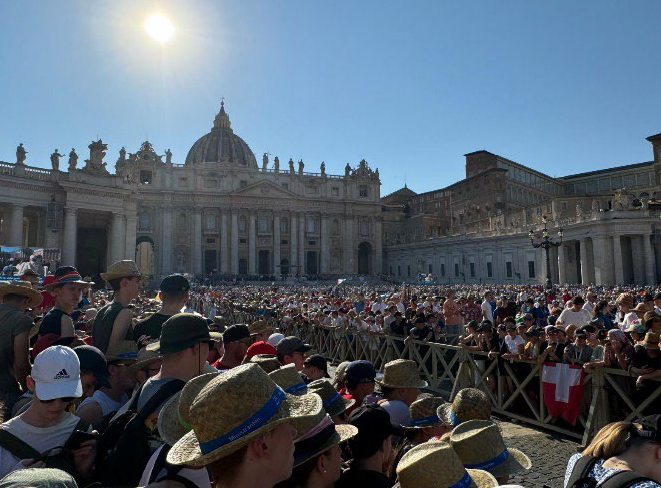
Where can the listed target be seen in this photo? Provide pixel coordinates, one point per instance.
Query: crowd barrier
(608, 394)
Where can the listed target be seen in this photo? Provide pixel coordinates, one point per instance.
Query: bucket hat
(265, 361)
(480, 445)
(469, 404)
(144, 358)
(64, 275)
(289, 380)
(121, 269)
(181, 331)
(401, 373)
(435, 464)
(173, 417)
(124, 351)
(318, 434)
(220, 428)
(333, 402)
(423, 412)
(651, 340)
(21, 288)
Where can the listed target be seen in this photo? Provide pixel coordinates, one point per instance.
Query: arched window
(312, 224)
(145, 221)
(182, 221)
(335, 228)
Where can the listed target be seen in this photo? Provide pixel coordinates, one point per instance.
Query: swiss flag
(563, 390)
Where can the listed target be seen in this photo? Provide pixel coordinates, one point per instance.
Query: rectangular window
(431, 269)
(362, 190)
(284, 242)
(472, 268)
(399, 270)
(211, 241)
(242, 241)
(243, 184)
(263, 224)
(335, 192)
(489, 270)
(531, 269)
(390, 270)
(408, 270)
(456, 270)
(442, 269)
(508, 269)
(312, 243)
(145, 177)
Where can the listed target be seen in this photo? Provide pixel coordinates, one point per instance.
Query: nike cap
(56, 373)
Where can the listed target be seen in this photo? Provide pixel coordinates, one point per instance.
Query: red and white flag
(563, 390)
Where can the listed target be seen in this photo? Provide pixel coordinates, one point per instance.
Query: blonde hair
(612, 440)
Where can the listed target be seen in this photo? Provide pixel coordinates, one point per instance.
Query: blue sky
(562, 86)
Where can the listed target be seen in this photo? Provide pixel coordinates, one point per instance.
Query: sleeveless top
(107, 404)
(103, 324)
(52, 322)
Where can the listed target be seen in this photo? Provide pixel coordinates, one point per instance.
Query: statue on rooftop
(122, 155)
(55, 160)
(168, 156)
(95, 163)
(265, 161)
(20, 154)
(347, 170)
(291, 166)
(323, 168)
(276, 164)
(301, 165)
(73, 159)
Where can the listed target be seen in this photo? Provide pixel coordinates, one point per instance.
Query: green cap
(38, 478)
(180, 332)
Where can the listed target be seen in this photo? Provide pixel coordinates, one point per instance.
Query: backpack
(22, 450)
(124, 447)
(580, 476)
(172, 472)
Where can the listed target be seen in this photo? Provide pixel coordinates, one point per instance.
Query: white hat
(56, 373)
(275, 338)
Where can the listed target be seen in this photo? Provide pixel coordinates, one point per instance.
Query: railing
(6, 168)
(515, 392)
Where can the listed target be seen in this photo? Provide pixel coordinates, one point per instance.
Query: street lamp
(546, 243)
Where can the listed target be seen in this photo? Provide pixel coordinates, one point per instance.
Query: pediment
(265, 189)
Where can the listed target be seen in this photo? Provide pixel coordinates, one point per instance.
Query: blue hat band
(332, 400)
(425, 421)
(464, 482)
(491, 463)
(296, 388)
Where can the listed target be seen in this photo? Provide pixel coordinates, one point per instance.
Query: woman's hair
(618, 437)
(599, 307)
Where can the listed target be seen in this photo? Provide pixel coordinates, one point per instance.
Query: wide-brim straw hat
(234, 408)
(267, 362)
(626, 299)
(144, 358)
(173, 417)
(480, 445)
(641, 308)
(122, 350)
(290, 380)
(423, 412)
(651, 341)
(435, 464)
(23, 289)
(318, 435)
(260, 327)
(468, 404)
(333, 402)
(401, 373)
(122, 269)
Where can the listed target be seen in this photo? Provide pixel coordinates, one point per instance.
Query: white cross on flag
(563, 390)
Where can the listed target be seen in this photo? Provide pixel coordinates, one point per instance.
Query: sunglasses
(62, 399)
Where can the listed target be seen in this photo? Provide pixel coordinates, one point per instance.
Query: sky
(411, 86)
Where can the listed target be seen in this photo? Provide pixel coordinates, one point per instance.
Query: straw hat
(220, 428)
(626, 299)
(173, 417)
(651, 341)
(402, 373)
(318, 434)
(265, 361)
(435, 464)
(641, 308)
(469, 404)
(23, 289)
(144, 358)
(480, 445)
(334, 403)
(123, 350)
(121, 269)
(289, 380)
(423, 412)
(260, 327)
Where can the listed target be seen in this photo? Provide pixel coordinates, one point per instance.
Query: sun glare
(159, 27)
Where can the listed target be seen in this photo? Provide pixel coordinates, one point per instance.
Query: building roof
(614, 169)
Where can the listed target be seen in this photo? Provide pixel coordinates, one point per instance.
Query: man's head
(93, 369)
(577, 303)
(236, 341)
(30, 276)
(315, 367)
(374, 433)
(67, 287)
(125, 278)
(359, 379)
(120, 357)
(185, 339)
(527, 320)
(291, 350)
(174, 290)
(19, 294)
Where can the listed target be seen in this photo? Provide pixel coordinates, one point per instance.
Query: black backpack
(580, 476)
(124, 447)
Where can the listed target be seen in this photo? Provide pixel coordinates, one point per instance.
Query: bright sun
(159, 27)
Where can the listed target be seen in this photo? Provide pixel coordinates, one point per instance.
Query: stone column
(378, 251)
(196, 244)
(602, 262)
(618, 267)
(585, 272)
(650, 260)
(348, 245)
(69, 239)
(252, 243)
(301, 243)
(131, 231)
(16, 225)
(166, 242)
(638, 254)
(562, 274)
(224, 242)
(293, 243)
(234, 243)
(276, 244)
(117, 238)
(325, 257)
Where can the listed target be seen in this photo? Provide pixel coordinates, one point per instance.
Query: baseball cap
(236, 333)
(358, 371)
(93, 361)
(56, 373)
(48, 340)
(290, 345)
(318, 361)
(260, 347)
(181, 331)
(174, 284)
(275, 338)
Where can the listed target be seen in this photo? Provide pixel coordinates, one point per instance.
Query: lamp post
(546, 243)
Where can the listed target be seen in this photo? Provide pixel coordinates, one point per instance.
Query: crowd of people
(196, 385)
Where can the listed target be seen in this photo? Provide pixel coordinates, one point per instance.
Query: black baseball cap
(174, 283)
(374, 426)
(318, 361)
(93, 361)
(236, 333)
(180, 332)
(358, 371)
(291, 344)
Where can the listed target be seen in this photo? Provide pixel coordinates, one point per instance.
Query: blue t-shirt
(600, 474)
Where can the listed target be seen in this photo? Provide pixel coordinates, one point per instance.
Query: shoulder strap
(83, 425)
(159, 463)
(17, 447)
(623, 479)
(581, 470)
(163, 393)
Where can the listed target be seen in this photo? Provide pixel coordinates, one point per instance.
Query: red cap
(260, 347)
(47, 341)
(48, 279)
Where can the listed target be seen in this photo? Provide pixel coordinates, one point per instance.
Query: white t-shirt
(487, 311)
(568, 317)
(588, 306)
(39, 438)
(200, 477)
(107, 404)
(399, 412)
(513, 344)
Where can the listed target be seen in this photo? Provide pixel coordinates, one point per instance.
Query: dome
(221, 145)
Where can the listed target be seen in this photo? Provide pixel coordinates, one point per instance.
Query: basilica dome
(221, 145)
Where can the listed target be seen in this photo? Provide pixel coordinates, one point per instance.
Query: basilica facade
(218, 211)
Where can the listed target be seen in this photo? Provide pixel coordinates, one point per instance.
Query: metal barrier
(515, 389)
